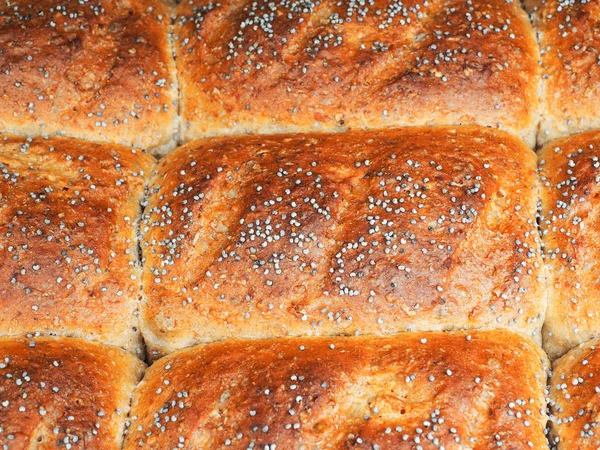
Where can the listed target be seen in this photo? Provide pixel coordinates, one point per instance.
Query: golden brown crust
(575, 398)
(437, 390)
(64, 393)
(371, 232)
(101, 71)
(304, 66)
(568, 32)
(68, 238)
(570, 172)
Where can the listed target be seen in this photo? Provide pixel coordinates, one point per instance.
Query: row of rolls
(372, 289)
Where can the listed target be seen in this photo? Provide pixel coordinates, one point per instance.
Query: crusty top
(64, 394)
(412, 391)
(575, 398)
(68, 244)
(569, 33)
(274, 66)
(570, 175)
(407, 229)
(97, 70)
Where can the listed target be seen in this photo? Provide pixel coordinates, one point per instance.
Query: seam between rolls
(140, 254)
(546, 283)
(171, 40)
(539, 219)
(545, 269)
(533, 19)
(127, 423)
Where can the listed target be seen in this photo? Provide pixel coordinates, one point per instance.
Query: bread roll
(361, 232)
(411, 391)
(101, 71)
(574, 398)
(69, 261)
(64, 393)
(276, 67)
(570, 172)
(568, 35)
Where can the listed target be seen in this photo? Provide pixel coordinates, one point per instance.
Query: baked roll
(574, 398)
(69, 264)
(570, 172)
(275, 67)
(414, 390)
(568, 36)
(101, 71)
(63, 393)
(324, 234)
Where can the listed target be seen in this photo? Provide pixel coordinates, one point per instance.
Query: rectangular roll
(101, 71)
(574, 398)
(361, 232)
(416, 390)
(570, 172)
(64, 393)
(69, 260)
(250, 66)
(568, 35)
